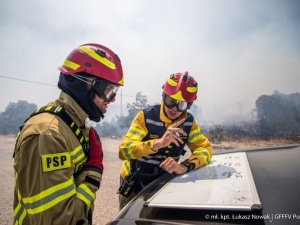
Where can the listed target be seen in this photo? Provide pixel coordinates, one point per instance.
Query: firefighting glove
(95, 156)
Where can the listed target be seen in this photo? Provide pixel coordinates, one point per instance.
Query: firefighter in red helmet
(90, 72)
(157, 136)
(58, 157)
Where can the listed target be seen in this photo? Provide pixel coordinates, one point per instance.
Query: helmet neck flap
(78, 91)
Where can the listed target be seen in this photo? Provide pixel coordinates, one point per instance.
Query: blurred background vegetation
(276, 116)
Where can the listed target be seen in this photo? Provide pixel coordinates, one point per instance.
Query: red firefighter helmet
(96, 60)
(181, 87)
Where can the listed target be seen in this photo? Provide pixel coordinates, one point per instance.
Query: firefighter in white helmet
(58, 157)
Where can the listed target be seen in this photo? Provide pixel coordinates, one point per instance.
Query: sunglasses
(171, 103)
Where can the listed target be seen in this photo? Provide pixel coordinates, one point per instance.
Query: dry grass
(248, 143)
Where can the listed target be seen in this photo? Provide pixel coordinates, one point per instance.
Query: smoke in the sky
(236, 50)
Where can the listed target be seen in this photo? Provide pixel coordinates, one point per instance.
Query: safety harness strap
(60, 111)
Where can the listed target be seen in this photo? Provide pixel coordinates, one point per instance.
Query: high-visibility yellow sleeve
(132, 146)
(200, 147)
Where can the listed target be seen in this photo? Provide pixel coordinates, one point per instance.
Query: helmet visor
(171, 103)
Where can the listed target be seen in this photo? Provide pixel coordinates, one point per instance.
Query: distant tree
(120, 121)
(106, 129)
(120, 124)
(140, 103)
(14, 116)
(278, 116)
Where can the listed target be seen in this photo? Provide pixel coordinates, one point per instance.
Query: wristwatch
(187, 165)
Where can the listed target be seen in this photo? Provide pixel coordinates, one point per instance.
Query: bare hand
(172, 135)
(171, 166)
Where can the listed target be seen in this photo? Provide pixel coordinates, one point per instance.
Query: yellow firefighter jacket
(137, 143)
(49, 185)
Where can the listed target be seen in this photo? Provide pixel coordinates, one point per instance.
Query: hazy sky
(237, 50)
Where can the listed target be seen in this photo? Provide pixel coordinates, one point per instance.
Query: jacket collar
(72, 108)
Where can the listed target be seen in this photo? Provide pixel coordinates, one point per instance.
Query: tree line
(275, 116)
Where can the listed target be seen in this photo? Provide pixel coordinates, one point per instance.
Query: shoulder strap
(60, 111)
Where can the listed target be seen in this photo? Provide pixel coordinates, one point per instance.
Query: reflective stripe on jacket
(149, 165)
(47, 156)
(138, 141)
